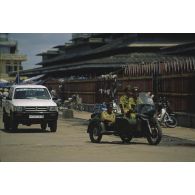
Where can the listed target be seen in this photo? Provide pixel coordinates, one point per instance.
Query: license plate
(36, 116)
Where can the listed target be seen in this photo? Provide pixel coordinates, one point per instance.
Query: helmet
(109, 105)
(135, 89)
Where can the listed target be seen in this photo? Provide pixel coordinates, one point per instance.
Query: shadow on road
(175, 141)
(121, 143)
(33, 130)
(166, 141)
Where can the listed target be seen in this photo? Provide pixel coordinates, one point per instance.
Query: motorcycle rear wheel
(172, 122)
(155, 136)
(94, 134)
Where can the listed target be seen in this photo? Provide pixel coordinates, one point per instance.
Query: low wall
(88, 107)
(185, 119)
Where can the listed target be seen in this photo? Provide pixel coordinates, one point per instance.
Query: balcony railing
(13, 57)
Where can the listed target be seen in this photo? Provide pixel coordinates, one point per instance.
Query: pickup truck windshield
(31, 93)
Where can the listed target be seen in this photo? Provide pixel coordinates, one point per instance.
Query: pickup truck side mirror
(54, 98)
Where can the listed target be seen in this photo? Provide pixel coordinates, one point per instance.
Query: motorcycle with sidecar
(145, 125)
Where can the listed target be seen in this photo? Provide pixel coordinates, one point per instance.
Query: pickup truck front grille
(36, 108)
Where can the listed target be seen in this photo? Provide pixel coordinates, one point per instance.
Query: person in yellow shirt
(133, 101)
(125, 100)
(108, 118)
(129, 101)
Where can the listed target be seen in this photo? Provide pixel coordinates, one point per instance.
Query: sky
(31, 44)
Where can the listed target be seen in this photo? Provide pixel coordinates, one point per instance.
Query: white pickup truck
(27, 105)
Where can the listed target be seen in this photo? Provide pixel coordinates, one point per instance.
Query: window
(9, 68)
(31, 93)
(4, 49)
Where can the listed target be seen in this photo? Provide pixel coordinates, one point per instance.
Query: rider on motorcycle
(133, 102)
(125, 100)
(129, 101)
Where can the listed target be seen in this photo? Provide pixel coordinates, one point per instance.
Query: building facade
(10, 59)
(161, 63)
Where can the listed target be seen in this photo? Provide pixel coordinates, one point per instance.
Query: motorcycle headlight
(53, 108)
(18, 108)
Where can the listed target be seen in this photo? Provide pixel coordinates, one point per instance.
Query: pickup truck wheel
(53, 126)
(14, 125)
(43, 126)
(6, 121)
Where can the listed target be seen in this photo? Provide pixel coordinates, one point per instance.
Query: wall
(179, 89)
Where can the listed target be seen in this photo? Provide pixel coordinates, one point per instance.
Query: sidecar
(123, 127)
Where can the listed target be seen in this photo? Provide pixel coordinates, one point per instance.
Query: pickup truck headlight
(53, 108)
(18, 108)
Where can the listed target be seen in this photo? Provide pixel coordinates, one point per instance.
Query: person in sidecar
(108, 118)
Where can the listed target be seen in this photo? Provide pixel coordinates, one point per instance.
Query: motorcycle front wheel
(94, 134)
(155, 135)
(171, 122)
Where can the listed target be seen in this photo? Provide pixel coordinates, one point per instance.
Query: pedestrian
(53, 93)
(1, 97)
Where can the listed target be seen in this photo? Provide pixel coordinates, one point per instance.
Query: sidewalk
(82, 115)
(179, 132)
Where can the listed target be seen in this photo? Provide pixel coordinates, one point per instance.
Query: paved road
(71, 144)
